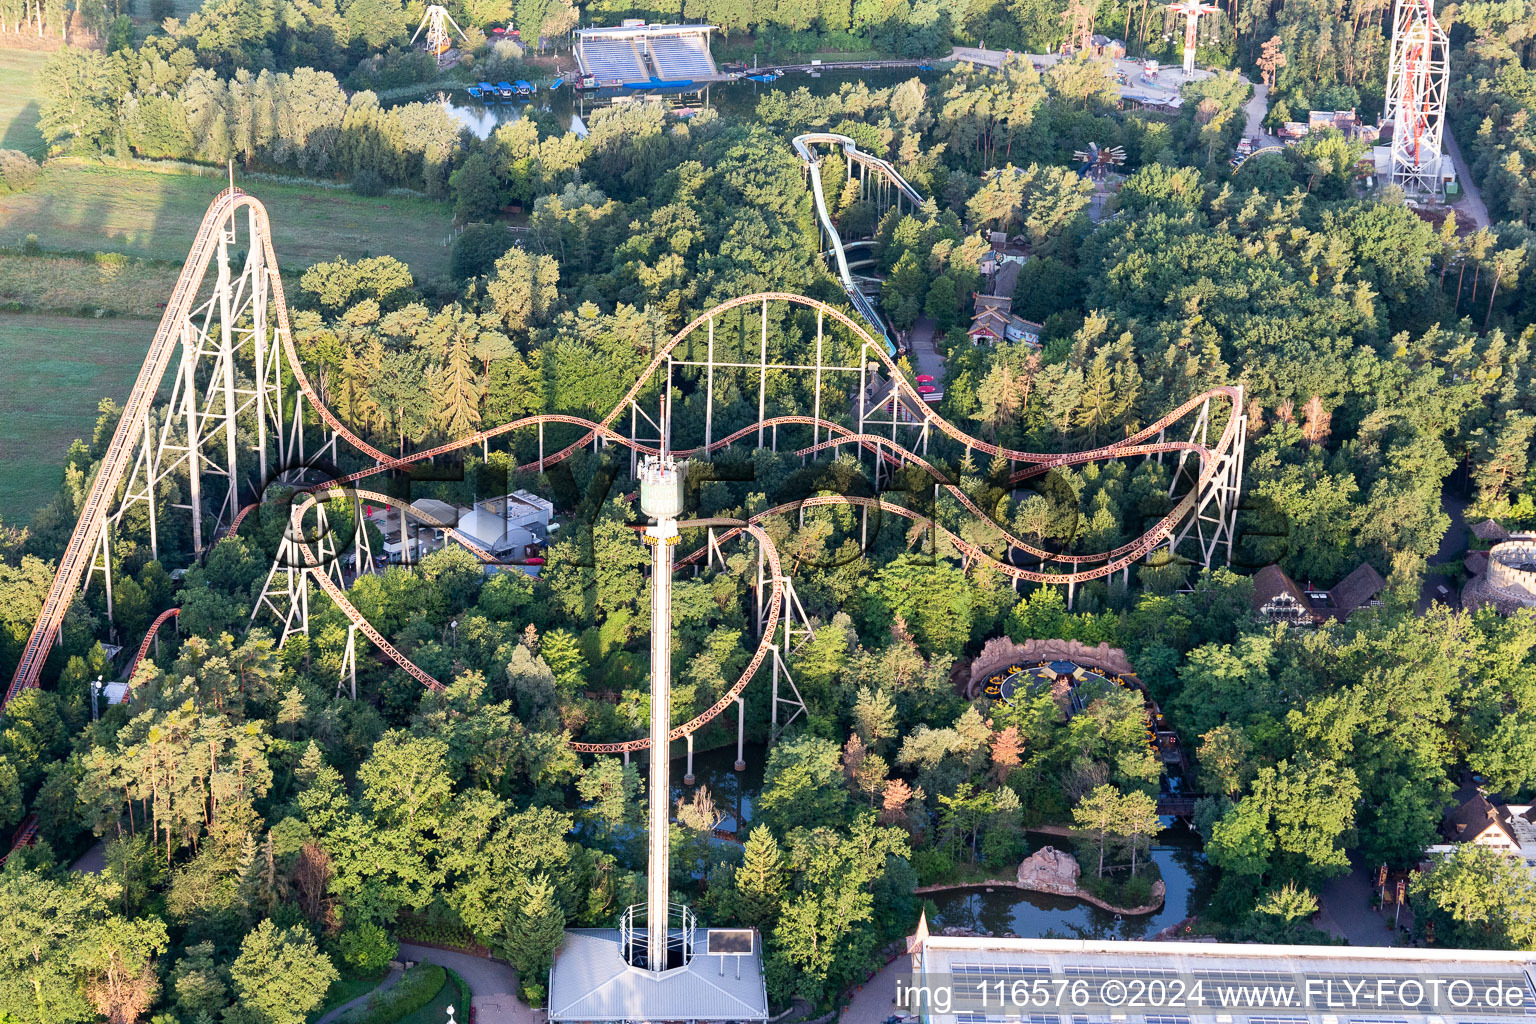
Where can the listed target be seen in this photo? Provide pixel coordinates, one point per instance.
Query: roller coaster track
(316, 571)
(803, 144)
(149, 638)
(115, 462)
(1213, 460)
(1245, 161)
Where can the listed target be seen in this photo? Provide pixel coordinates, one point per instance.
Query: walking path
(1438, 586)
(1345, 911)
(925, 355)
(876, 1001)
(92, 861)
(492, 985)
(1257, 108)
(384, 986)
(1471, 202)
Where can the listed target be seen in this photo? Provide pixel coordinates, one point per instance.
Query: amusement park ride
(435, 22)
(232, 348)
(1192, 11)
(233, 351)
(1097, 163)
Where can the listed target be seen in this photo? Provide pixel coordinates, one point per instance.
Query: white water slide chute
(886, 187)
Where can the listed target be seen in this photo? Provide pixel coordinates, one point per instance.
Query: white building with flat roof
(591, 981)
(1066, 981)
(512, 526)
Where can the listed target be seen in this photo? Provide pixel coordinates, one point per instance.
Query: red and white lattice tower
(1191, 9)
(1417, 75)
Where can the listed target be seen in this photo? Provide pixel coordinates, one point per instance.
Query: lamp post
(95, 694)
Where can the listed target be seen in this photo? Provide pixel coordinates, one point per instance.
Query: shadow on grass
(21, 133)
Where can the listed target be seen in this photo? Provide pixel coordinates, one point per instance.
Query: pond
(571, 108)
(1038, 915)
(1034, 915)
(734, 792)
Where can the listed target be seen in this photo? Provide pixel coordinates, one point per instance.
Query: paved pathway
(92, 861)
(383, 986)
(925, 355)
(1257, 108)
(1471, 202)
(492, 985)
(1437, 586)
(1345, 911)
(877, 999)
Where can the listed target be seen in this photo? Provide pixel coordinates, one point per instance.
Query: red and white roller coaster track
(1221, 462)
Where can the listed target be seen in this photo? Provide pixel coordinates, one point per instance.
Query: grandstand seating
(613, 60)
(678, 57)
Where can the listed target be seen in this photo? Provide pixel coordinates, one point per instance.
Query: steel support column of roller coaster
(255, 300)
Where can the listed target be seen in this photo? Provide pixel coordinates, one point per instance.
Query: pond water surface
(1032, 915)
(571, 109)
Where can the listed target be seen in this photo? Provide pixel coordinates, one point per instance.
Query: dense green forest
(267, 838)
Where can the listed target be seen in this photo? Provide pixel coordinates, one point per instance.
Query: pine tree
(248, 880)
(291, 712)
(760, 881)
(533, 932)
(1098, 814)
(874, 717)
(458, 392)
(1138, 822)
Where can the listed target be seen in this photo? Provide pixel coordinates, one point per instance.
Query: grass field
(143, 213)
(60, 284)
(18, 101)
(56, 369)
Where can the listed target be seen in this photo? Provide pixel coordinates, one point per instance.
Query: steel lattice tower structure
(1417, 77)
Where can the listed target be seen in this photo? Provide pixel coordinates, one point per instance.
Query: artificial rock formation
(1049, 870)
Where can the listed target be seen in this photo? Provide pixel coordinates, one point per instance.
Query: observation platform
(591, 981)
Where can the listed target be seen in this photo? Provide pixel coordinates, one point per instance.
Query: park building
(1277, 598)
(963, 963)
(1503, 577)
(513, 527)
(1509, 829)
(637, 55)
(994, 321)
(591, 981)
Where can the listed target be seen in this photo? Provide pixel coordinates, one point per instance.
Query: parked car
(923, 378)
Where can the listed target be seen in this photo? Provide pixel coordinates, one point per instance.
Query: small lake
(571, 108)
(1177, 853)
(1038, 915)
(734, 792)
